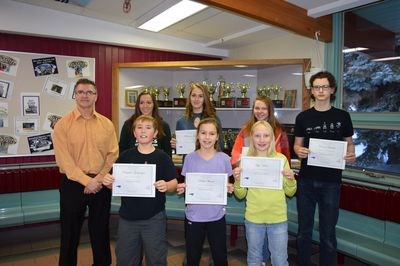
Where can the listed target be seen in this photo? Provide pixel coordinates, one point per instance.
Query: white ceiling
(211, 27)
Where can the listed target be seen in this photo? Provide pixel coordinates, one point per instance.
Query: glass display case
(167, 78)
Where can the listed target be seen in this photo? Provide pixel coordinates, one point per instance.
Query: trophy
(227, 100)
(243, 101)
(261, 91)
(146, 89)
(228, 137)
(212, 88)
(156, 91)
(276, 89)
(181, 101)
(166, 102)
(220, 88)
(180, 87)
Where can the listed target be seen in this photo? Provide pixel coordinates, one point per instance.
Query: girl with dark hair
(146, 105)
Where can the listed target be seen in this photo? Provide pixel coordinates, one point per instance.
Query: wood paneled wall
(105, 56)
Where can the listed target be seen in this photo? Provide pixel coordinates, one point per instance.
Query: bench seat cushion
(41, 206)
(10, 210)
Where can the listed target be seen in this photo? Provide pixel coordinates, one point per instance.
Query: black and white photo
(40, 143)
(30, 105)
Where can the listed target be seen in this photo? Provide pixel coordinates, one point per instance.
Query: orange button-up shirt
(85, 146)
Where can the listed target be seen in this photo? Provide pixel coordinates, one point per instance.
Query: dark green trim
(384, 120)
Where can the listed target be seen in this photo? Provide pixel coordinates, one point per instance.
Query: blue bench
(369, 239)
(10, 210)
(23, 208)
(366, 238)
(115, 204)
(175, 206)
(40, 206)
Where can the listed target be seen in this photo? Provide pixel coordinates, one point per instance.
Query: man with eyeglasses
(320, 185)
(86, 146)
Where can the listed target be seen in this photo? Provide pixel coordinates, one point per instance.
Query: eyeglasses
(87, 93)
(321, 87)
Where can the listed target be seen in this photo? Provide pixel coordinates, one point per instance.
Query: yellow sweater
(267, 205)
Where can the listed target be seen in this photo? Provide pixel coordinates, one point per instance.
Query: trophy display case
(232, 87)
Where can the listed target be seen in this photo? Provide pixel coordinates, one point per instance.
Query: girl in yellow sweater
(266, 209)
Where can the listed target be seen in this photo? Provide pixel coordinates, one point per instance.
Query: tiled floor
(38, 246)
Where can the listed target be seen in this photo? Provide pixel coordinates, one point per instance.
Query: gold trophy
(156, 91)
(243, 101)
(180, 101)
(276, 89)
(227, 100)
(261, 90)
(212, 88)
(180, 87)
(228, 137)
(229, 88)
(165, 92)
(268, 91)
(220, 88)
(146, 89)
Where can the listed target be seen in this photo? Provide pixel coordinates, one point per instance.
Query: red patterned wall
(105, 56)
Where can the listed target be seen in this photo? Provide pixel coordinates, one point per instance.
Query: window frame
(361, 120)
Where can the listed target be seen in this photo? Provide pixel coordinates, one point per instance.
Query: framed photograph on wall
(4, 89)
(30, 105)
(289, 101)
(131, 97)
(55, 87)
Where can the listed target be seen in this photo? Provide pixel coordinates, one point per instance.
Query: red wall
(105, 56)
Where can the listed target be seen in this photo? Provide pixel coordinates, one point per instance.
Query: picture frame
(131, 97)
(55, 87)
(289, 100)
(4, 89)
(30, 105)
(27, 125)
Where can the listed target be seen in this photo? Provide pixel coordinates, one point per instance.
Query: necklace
(145, 151)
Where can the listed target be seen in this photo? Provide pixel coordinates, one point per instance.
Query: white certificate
(327, 153)
(245, 150)
(205, 188)
(185, 141)
(261, 172)
(134, 180)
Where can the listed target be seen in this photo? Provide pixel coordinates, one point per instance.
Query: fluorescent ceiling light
(134, 87)
(356, 49)
(297, 74)
(387, 58)
(189, 67)
(249, 75)
(175, 13)
(240, 66)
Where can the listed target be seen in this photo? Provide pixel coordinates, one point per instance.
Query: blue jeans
(266, 253)
(277, 235)
(327, 196)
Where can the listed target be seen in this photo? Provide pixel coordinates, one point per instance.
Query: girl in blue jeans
(266, 209)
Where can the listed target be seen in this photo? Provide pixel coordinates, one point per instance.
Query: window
(371, 83)
(377, 150)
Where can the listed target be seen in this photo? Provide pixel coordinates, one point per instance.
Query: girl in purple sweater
(206, 219)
